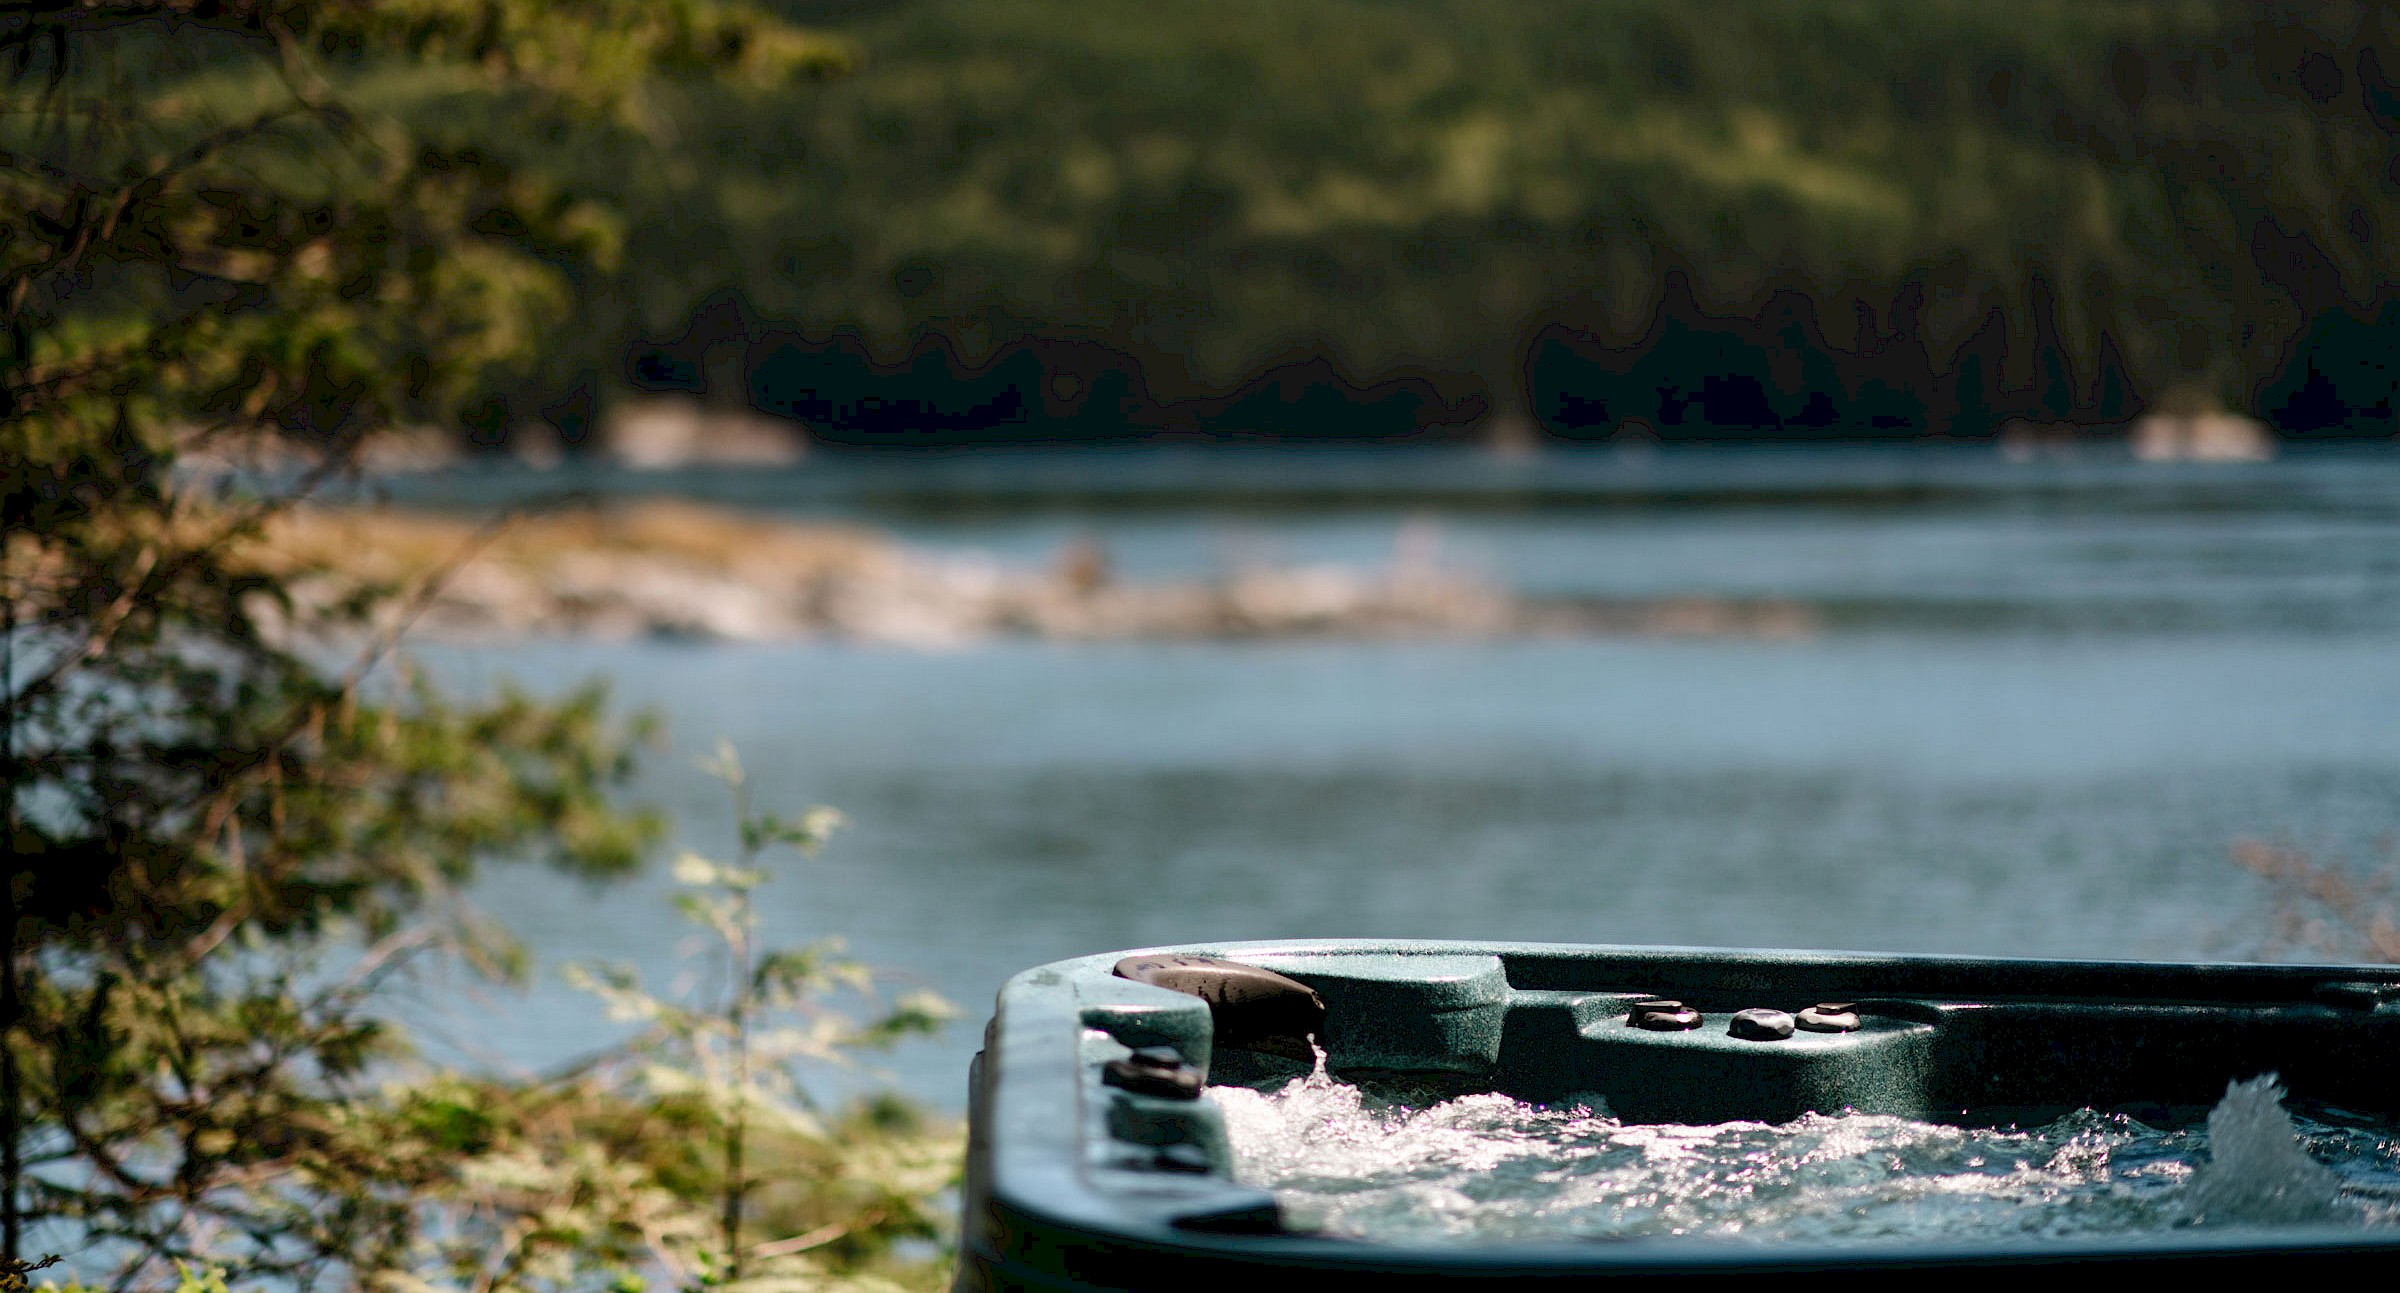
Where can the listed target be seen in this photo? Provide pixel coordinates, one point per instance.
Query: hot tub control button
(1828, 1017)
(1662, 1016)
(1760, 1025)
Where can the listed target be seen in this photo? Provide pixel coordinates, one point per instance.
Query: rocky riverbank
(684, 570)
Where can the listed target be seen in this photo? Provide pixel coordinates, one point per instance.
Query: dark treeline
(1033, 220)
(1690, 375)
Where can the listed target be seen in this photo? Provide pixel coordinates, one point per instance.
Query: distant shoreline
(658, 568)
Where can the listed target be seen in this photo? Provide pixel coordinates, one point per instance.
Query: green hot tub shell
(1074, 1183)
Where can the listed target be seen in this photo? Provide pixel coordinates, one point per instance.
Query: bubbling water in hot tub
(1390, 1163)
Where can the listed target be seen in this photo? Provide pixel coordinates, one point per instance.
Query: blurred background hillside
(1011, 221)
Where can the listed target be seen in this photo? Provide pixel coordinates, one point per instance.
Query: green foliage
(1210, 183)
(227, 829)
(14, 1273)
(222, 224)
(711, 1090)
(693, 1153)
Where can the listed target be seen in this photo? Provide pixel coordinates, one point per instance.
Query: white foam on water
(2258, 1170)
(1392, 1165)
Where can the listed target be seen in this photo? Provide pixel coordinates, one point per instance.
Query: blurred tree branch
(2323, 908)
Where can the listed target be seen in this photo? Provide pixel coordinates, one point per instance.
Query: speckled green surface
(1070, 1183)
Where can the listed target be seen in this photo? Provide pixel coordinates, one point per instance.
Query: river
(2043, 703)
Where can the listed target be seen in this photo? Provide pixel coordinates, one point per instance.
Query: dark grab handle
(1252, 1009)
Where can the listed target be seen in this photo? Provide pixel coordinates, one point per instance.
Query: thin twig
(818, 1237)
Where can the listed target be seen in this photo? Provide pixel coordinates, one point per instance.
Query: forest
(1017, 220)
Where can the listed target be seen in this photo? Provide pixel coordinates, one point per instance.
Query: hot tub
(1091, 1165)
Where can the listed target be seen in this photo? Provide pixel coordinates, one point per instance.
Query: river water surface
(2043, 704)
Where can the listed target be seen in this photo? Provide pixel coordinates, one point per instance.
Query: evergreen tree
(229, 270)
